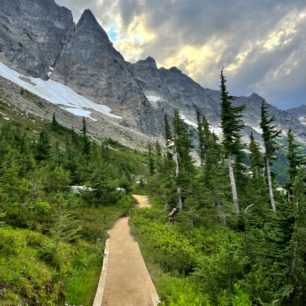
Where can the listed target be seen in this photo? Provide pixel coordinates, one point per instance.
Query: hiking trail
(125, 280)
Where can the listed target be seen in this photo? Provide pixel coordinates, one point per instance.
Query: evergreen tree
(231, 123)
(43, 147)
(255, 157)
(298, 242)
(86, 142)
(168, 137)
(151, 161)
(105, 152)
(295, 159)
(54, 124)
(269, 135)
(184, 165)
(84, 127)
(159, 155)
(201, 139)
(203, 136)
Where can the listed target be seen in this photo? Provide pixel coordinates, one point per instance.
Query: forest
(52, 239)
(237, 238)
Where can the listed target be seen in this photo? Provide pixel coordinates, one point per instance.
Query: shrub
(167, 247)
(180, 292)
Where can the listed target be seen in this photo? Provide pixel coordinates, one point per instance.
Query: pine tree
(255, 157)
(295, 159)
(84, 128)
(43, 147)
(269, 134)
(231, 123)
(168, 137)
(298, 242)
(184, 165)
(86, 142)
(203, 136)
(151, 160)
(54, 123)
(159, 156)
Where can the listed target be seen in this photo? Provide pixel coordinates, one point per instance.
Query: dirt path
(125, 280)
(142, 201)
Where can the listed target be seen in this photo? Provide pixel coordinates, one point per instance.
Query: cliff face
(168, 89)
(38, 34)
(91, 66)
(32, 34)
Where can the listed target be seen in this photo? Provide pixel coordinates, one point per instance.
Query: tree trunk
(179, 204)
(233, 185)
(221, 214)
(271, 196)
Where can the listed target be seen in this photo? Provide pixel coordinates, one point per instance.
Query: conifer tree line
(75, 160)
(234, 186)
(59, 192)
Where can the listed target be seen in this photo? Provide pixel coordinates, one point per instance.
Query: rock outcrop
(94, 68)
(32, 34)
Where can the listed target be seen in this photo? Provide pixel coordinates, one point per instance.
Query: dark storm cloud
(240, 25)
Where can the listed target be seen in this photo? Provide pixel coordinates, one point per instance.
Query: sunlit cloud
(196, 60)
(134, 38)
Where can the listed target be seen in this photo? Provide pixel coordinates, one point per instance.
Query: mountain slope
(32, 34)
(299, 113)
(168, 89)
(91, 66)
(84, 60)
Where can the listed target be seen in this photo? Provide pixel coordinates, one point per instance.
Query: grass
(28, 276)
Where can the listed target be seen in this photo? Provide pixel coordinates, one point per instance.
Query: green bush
(175, 291)
(168, 248)
(8, 244)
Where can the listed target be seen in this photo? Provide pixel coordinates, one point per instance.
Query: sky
(260, 43)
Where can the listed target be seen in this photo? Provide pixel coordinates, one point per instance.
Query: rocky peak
(91, 66)
(299, 113)
(89, 24)
(256, 97)
(175, 70)
(146, 67)
(149, 62)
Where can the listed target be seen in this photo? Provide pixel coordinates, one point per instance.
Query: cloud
(261, 43)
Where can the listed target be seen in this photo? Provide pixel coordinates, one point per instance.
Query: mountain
(91, 66)
(299, 113)
(168, 89)
(77, 68)
(32, 34)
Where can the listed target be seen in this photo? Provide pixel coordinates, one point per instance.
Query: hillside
(52, 238)
(81, 64)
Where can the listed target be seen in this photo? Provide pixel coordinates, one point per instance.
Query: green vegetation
(237, 239)
(233, 239)
(52, 239)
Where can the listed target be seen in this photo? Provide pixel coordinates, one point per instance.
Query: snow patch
(153, 99)
(187, 121)
(257, 129)
(50, 71)
(57, 94)
(78, 112)
(302, 120)
(216, 130)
